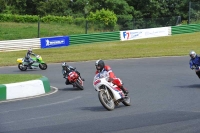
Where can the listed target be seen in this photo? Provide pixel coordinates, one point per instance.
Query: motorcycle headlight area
(97, 82)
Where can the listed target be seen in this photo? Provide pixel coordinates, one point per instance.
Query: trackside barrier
(96, 37)
(24, 89)
(191, 28)
(53, 42)
(144, 33)
(17, 45)
(35, 43)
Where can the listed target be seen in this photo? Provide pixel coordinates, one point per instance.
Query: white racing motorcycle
(109, 94)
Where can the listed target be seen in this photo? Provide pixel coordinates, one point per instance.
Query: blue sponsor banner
(52, 42)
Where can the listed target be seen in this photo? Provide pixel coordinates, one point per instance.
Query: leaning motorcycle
(109, 94)
(75, 80)
(38, 63)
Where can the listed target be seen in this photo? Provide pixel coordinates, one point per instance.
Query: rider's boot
(124, 90)
(29, 65)
(198, 73)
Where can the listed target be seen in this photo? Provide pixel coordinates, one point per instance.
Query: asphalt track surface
(165, 97)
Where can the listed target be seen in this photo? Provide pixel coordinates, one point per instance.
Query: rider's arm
(64, 73)
(72, 68)
(33, 54)
(191, 64)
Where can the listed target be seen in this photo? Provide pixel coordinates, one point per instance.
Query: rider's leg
(30, 63)
(118, 82)
(67, 82)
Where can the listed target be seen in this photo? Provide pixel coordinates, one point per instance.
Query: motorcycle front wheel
(127, 101)
(43, 66)
(78, 85)
(22, 67)
(106, 100)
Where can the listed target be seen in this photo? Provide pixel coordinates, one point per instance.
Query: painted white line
(44, 105)
(46, 94)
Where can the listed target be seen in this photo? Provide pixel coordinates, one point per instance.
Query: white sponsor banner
(144, 33)
(24, 89)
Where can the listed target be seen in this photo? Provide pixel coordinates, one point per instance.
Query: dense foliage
(125, 13)
(133, 8)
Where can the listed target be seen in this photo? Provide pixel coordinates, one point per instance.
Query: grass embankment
(14, 78)
(13, 31)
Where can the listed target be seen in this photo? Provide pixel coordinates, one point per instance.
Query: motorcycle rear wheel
(106, 101)
(22, 67)
(43, 66)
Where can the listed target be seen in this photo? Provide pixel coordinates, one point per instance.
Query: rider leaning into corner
(106, 70)
(28, 57)
(195, 62)
(66, 69)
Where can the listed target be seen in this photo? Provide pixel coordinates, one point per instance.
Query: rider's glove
(193, 67)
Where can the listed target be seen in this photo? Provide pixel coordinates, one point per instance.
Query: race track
(165, 96)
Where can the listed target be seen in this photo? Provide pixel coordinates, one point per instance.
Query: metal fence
(144, 23)
(194, 12)
(87, 27)
(40, 29)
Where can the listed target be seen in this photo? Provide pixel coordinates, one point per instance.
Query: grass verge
(14, 78)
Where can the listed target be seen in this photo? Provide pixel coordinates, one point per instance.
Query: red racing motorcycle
(75, 80)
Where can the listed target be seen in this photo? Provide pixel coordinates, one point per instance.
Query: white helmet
(192, 54)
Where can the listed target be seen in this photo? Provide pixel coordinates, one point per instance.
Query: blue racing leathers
(195, 62)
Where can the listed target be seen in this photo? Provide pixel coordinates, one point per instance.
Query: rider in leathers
(66, 69)
(195, 62)
(106, 70)
(28, 57)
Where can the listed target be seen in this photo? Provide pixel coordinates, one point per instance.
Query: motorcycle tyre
(127, 101)
(22, 69)
(109, 108)
(78, 85)
(43, 66)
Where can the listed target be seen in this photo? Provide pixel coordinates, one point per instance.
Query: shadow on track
(197, 86)
(69, 89)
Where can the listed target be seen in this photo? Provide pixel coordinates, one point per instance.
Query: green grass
(177, 45)
(13, 31)
(14, 78)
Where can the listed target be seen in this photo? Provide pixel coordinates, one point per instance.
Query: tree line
(77, 8)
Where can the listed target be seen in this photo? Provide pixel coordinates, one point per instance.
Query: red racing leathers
(107, 72)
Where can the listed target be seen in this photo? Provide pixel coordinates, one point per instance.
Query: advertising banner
(52, 42)
(144, 33)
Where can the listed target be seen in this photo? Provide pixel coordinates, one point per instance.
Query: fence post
(39, 27)
(189, 12)
(86, 26)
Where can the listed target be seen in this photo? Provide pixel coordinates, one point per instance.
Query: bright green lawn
(13, 78)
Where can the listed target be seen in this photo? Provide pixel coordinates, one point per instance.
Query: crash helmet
(65, 66)
(192, 54)
(30, 50)
(99, 65)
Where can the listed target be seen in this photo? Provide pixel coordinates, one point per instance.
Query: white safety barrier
(145, 33)
(17, 45)
(24, 89)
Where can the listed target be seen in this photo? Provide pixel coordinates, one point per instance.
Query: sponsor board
(144, 33)
(54, 42)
